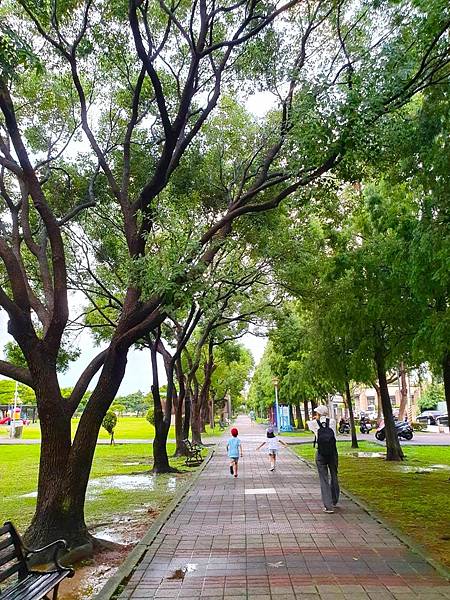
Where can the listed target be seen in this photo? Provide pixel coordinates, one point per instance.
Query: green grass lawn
(216, 432)
(297, 433)
(19, 472)
(128, 428)
(414, 501)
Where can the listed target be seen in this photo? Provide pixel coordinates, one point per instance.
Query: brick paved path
(263, 536)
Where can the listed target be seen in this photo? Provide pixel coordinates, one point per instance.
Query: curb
(134, 557)
(405, 539)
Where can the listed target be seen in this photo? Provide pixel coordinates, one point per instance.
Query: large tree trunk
(298, 413)
(160, 457)
(180, 449)
(291, 416)
(351, 415)
(208, 369)
(305, 407)
(379, 403)
(446, 377)
(65, 467)
(211, 414)
(187, 413)
(195, 416)
(403, 392)
(393, 448)
(162, 417)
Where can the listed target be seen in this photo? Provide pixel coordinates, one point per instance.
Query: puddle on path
(368, 454)
(181, 573)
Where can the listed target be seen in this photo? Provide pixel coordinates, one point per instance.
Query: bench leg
(55, 592)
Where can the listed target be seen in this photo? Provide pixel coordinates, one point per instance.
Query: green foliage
(117, 407)
(7, 389)
(66, 355)
(431, 396)
(232, 367)
(109, 423)
(150, 415)
(16, 54)
(261, 393)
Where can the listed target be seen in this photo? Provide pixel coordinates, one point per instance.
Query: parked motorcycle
(365, 426)
(344, 426)
(402, 429)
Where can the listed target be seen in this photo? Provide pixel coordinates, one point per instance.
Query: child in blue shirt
(234, 450)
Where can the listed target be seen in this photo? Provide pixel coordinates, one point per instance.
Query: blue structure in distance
(284, 418)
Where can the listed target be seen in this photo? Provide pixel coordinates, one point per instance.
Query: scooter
(365, 426)
(402, 429)
(344, 426)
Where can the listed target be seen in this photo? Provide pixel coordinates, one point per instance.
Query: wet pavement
(264, 536)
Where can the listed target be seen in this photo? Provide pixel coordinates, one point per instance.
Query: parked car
(442, 420)
(429, 417)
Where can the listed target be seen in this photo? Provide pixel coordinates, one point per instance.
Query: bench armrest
(58, 545)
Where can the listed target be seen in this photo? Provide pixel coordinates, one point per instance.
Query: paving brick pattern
(264, 536)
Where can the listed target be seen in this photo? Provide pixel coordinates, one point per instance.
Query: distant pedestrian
(234, 451)
(273, 443)
(251, 414)
(324, 429)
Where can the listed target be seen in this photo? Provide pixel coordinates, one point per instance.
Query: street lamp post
(277, 408)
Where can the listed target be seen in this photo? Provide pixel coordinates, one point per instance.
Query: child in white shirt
(273, 446)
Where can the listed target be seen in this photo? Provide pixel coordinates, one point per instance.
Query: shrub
(150, 416)
(109, 423)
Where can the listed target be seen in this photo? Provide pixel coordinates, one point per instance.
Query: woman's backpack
(326, 441)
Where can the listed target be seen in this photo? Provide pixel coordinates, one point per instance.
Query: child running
(273, 447)
(234, 450)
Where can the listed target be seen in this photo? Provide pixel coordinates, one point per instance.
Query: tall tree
(140, 85)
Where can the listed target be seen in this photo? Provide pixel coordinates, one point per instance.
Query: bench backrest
(12, 558)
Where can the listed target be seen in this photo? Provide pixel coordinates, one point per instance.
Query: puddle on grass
(128, 482)
(91, 575)
(417, 469)
(117, 533)
(122, 482)
(368, 454)
(408, 469)
(29, 495)
(181, 573)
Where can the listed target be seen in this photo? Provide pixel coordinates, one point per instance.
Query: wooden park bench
(193, 454)
(30, 584)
